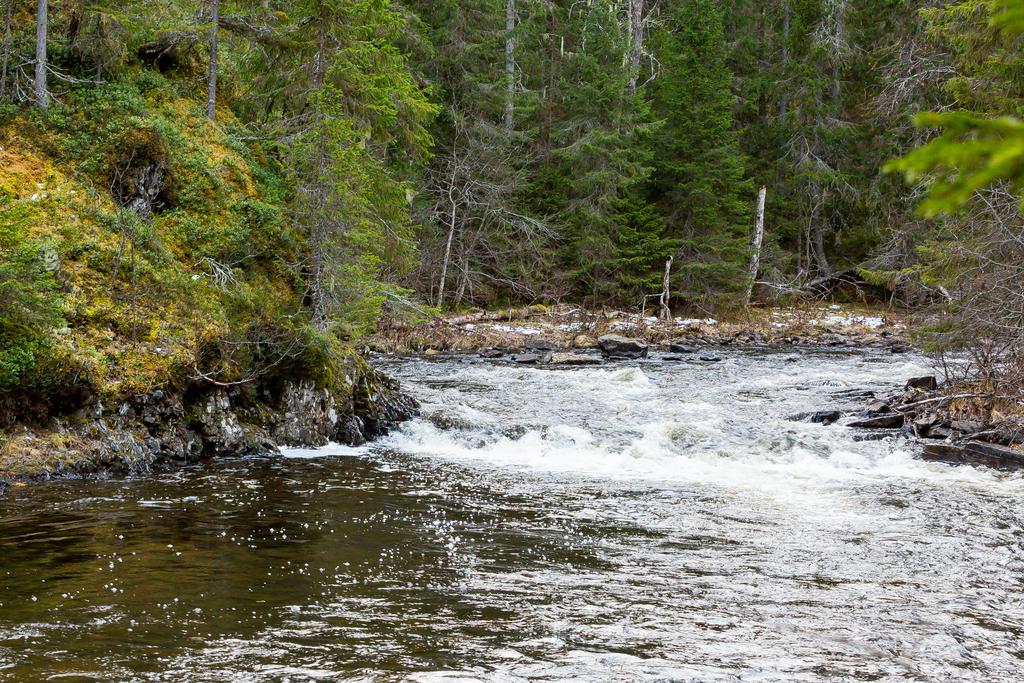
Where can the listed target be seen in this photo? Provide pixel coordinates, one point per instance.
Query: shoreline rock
(625, 348)
(163, 429)
(933, 415)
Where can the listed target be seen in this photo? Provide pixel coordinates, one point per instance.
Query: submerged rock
(822, 417)
(574, 359)
(615, 346)
(681, 348)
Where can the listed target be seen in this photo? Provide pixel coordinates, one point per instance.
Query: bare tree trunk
(7, 47)
(319, 229)
(42, 94)
(787, 13)
(817, 233)
(636, 29)
(211, 96)
(510, 64)
(464, 266)
(451, 236)
(666, 291)
(755, 255)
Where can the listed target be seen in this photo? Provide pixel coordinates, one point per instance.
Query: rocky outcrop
(574, 359)
(889, 421)
(162, 428)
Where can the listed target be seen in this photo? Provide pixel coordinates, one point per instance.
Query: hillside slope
(146, 249)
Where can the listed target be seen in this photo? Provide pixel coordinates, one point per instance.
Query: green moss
(207, 286)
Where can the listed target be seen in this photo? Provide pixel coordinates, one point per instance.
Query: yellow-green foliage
(207, 284)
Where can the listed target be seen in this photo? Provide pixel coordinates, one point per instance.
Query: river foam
(727, 424)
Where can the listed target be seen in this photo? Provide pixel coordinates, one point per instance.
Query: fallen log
(508, 314)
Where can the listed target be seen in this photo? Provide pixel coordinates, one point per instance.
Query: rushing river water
(632, 522)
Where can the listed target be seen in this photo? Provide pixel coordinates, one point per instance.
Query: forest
(492, 341)
(213, 189)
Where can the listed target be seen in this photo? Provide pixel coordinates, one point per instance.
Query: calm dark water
(639, 522)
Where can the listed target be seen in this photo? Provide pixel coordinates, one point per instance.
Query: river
(644, 521)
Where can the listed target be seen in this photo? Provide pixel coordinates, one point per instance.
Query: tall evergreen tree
(601, 146)
(355, 131)
(699, 179)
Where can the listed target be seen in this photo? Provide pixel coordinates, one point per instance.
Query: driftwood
(496, 316)
(826, 283)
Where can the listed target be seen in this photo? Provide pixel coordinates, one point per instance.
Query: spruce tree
(602, 151)
(699, 184)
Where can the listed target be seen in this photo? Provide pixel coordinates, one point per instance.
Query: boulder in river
(976, 453)
(584, 341)
(681, 348)
(825, 417)
(892, 421)
(540, 358)
(615, 346)
(929, 383)
(708, 358)
(539, 344)
(822, 417)
(875, 408)
(924, 424)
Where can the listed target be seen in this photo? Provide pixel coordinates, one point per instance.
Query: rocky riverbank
(168, 428)
(537, 332)
(954, 423)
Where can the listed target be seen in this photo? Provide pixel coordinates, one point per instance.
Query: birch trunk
(755, 251)
(211, 96)
(510, 64)
(451, 237)
(42, 94)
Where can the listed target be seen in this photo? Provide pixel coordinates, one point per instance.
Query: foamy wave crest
(673, 451)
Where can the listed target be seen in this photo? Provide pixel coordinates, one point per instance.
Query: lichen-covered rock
(307, 415)
(223, 431)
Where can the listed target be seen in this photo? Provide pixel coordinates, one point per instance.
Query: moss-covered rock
(160, 428)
